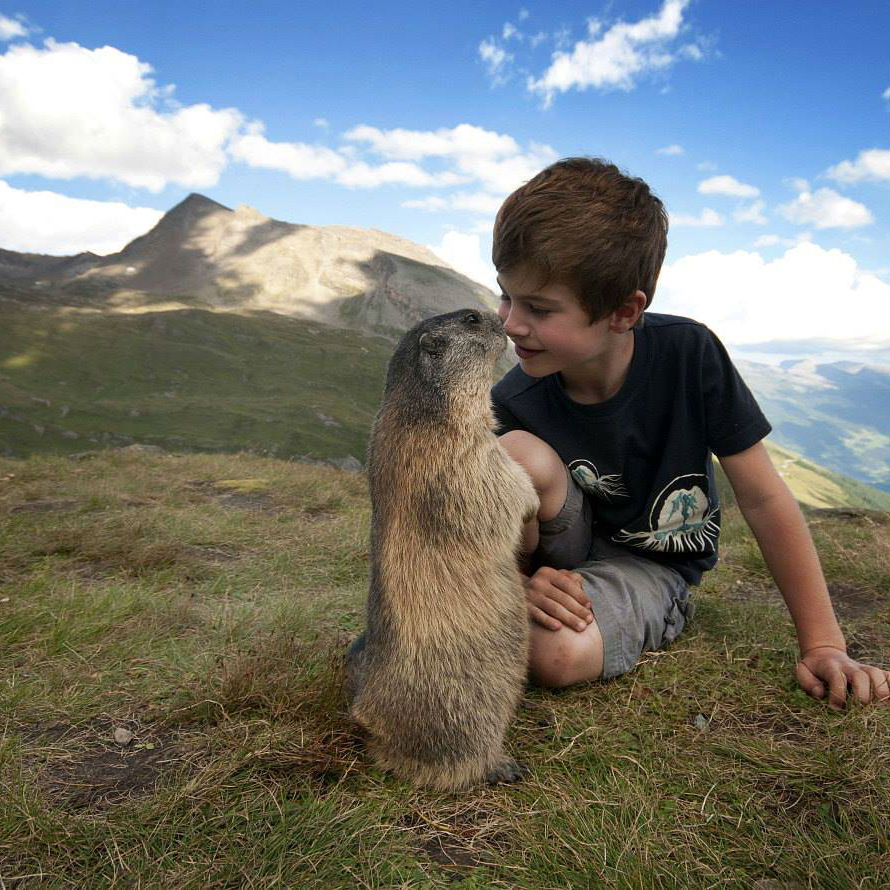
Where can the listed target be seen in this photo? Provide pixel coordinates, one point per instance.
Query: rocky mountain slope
(202, 254)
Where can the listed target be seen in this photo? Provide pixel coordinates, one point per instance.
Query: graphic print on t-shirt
(682, 519)
(588, 478)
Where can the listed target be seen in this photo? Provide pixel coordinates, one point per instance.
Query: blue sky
(763, 127)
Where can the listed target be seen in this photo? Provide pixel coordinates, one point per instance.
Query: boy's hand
(556, 597)
(827, 667)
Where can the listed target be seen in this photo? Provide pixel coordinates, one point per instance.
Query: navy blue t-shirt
(643, 457)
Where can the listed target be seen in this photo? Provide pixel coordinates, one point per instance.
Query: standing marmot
(439, 671)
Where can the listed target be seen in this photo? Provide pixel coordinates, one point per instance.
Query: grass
(203, 602)
(189, 379)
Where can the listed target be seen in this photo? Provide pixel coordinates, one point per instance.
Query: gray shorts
(638, 604)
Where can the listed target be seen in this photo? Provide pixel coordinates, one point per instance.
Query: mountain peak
(200, 203)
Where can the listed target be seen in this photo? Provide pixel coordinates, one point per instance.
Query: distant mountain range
(836, 415)
(223, 329)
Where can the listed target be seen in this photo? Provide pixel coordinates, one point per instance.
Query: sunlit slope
(186, 380)
(814, 486)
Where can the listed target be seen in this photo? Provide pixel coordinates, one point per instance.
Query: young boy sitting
(615, 415)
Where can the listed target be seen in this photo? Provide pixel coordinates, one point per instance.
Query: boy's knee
(564, 657)
(543, 465)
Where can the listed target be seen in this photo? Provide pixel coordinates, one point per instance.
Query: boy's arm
(781, 531)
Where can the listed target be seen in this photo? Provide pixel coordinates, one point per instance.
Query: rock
(123, 736)
(84, 455)
(141, 449)
(701, 722)
(349, 463)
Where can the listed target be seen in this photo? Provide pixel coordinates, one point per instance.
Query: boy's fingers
(542, 618)
(559, 590)
(809, 682)
(880, 683)
(555, 609)
(860, 682)
(837, 688)
(573, 584)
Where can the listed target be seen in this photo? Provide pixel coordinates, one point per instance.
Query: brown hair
(583, 223)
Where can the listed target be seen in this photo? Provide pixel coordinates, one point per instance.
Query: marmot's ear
(433, 343)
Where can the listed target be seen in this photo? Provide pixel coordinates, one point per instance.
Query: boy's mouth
(525, 353)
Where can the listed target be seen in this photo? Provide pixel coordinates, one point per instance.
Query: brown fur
(438, 674)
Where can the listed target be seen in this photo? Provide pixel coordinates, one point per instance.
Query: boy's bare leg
(565, 648)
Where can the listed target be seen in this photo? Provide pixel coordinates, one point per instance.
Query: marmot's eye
(472, 318)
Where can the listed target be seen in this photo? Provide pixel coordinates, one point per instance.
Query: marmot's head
(447, 354)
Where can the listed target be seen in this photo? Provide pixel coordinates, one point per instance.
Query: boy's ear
(628, 313)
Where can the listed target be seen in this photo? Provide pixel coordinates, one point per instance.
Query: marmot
(438, 673)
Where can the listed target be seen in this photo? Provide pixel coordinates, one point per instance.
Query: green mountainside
(837, 414)
(198, 380)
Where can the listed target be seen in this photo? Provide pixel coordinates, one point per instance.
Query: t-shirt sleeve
(505, 418)
(733, 417)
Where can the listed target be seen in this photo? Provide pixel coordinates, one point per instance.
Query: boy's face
(549, 328)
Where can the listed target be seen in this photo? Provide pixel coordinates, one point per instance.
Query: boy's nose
(513, 326)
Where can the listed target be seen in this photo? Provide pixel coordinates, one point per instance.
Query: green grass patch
(202, 603)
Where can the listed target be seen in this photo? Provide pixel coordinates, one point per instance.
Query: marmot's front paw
(508, 770)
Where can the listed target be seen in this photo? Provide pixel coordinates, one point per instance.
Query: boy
(615, 416)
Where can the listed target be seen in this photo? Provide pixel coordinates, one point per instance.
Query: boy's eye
(535, 311)
(505, 298)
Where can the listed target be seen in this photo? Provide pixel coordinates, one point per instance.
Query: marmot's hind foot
(507, 771)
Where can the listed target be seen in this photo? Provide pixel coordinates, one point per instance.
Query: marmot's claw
(508, 770)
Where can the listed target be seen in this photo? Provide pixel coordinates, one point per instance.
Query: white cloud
(753, 213)
(497, 61)
(493, 160)
(803, 294)
(67, 111)
(472, 154)
(463, 252)
(872, 164)
(614, 58)
(671, 150)
(727, 185)
(474, 202)
(322, 123)
(771, 241)
(46, 222)
(299, 160)
(826, 209)
(413, 145)
(886, 94)
(523, 14)
(706, 219)
(510, 30)
(303, 161)
(362, 175)
(12, 28)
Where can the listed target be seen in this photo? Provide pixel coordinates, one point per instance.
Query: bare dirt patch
(45, 506)
(855, 602)
(83, 766)
(471, 835)
(242, 497)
